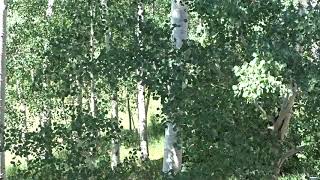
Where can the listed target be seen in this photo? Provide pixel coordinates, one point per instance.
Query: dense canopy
(159, 89)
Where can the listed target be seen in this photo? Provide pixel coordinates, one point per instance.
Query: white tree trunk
(115, 152)
(107, 34)
(172, 158)
(79, 95)
(172, 154)
(3, 18)
(179, 22)
(92, 102)
(142, 119)
(46, 114)
(93, 98)
(129, 110)
(49, 11)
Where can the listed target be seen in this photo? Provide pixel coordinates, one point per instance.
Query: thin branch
(288, 154)
(261, 109)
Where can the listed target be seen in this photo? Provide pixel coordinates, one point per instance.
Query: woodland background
(159, 89)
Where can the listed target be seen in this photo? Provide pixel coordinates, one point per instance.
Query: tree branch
(280, 126)
(288, 154)
(261, 109)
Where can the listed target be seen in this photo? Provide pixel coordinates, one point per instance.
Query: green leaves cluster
(75, 150)
(255, 78)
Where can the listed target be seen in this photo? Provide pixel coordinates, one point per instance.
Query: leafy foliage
(227, 82)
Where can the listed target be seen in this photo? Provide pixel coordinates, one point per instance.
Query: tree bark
(129, 111)
(45, 122)
(281, 126)
(93, 97)
(79, 95)
(115, 153)
(142, 120)
(49, 11)
(46, 114)
(142, 123)
(280, 162)
(92, 103)
(3, 20)
(148, 102)
(179, 22)
(107, 34)
(172, 153)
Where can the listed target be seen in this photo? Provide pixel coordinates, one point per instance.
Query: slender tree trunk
(92, 103)
(79, 95)
(148, 102)
(107, 34)
(46, 114)
(49, 11)
(45, 122)
(142, 119)
(172, 153)
(115, 153)
(93, 98)
(129, 111)
(3, 18)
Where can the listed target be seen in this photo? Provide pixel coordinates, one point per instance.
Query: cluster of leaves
(254, 50)
(255, 78)
(75, 150)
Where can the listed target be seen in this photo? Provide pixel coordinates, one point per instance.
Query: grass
(155, 131)
(155, 150)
